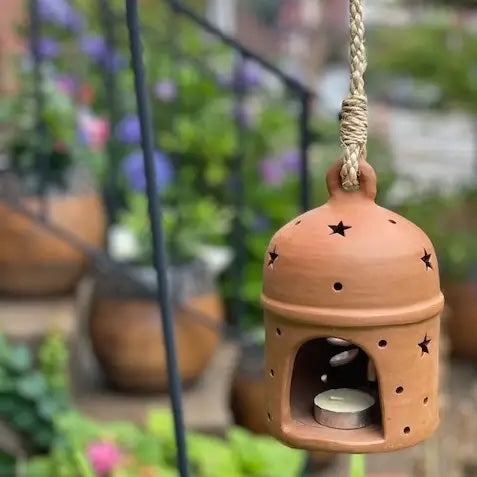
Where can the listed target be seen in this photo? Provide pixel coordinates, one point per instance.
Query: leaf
(32, 385)
(24, 420)
(20, 359)
(264, 456)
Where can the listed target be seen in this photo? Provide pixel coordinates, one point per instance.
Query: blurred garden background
(83, 381)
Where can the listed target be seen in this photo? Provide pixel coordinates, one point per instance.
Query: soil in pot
(126, 331)
(247, 398)
(34, 261)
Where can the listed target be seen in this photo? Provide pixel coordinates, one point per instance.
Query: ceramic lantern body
(357, 272)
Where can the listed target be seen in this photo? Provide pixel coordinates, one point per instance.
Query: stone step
(206, 402)
(29, 320)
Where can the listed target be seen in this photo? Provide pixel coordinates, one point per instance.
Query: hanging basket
(352, 304)
(126, 330)
(35, 262)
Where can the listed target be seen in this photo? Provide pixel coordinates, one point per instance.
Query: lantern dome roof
(351, 262)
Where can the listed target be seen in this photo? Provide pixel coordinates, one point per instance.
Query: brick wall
(10, 45)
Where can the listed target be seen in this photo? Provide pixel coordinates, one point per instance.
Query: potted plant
(56, 184)
(54, 161)
(125, 323)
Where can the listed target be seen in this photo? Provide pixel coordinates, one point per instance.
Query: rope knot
(353, 136)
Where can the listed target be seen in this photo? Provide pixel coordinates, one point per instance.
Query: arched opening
(325, 364)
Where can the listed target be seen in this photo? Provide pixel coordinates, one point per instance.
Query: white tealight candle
(344, 408)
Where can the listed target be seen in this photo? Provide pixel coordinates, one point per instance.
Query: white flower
(123, 244)
(215, 257)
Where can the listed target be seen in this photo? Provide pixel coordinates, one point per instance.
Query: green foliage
(442, 55)
(57, 144)
(153, 449)
(29, 399)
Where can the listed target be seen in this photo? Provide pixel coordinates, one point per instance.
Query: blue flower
(113, 60)
(93, 46)
(98, 51)
(61, 13)
(128, 130)
(133, 169)
(48, 48)
(261, 223)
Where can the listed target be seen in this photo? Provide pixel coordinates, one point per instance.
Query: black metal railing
(300, 94)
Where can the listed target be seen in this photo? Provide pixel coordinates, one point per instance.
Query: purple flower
(165, 90)
(272, 171)
(128, 130)
(290, 160)
(93, 46)
(67, 84)
(248, 74)
(61, 13)
(48, 48)
(133, 170)
(104, 457)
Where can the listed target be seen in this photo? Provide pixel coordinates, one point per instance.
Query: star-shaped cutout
(339, 229)
(273, 256)
(427, 259)
(424, 345)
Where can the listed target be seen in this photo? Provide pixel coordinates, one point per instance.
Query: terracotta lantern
(352, 305)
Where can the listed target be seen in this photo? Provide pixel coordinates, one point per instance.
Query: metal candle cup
(344, 408)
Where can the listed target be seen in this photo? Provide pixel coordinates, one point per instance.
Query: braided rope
(354, 110)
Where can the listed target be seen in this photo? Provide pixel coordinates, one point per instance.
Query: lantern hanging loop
(354, 109)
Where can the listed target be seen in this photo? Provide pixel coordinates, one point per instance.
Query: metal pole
(111, 181)
(34, 39)
(304, 151)
(238, 232)
(157, 232)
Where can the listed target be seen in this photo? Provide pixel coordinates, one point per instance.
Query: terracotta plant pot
(126, 332)
(462, 322)
(247, 398)
(35, 262)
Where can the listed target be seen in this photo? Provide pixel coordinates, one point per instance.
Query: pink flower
(93, 130)
(104, 457)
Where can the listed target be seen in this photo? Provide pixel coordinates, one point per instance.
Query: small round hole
(269, 416)
(383, 344)
(272, 373)
(338, 286)
(407, 430)
(392, 221)
(279, 331)
(426, 401)
(399, 390)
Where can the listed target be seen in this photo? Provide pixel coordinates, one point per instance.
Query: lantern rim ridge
(328, 316)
